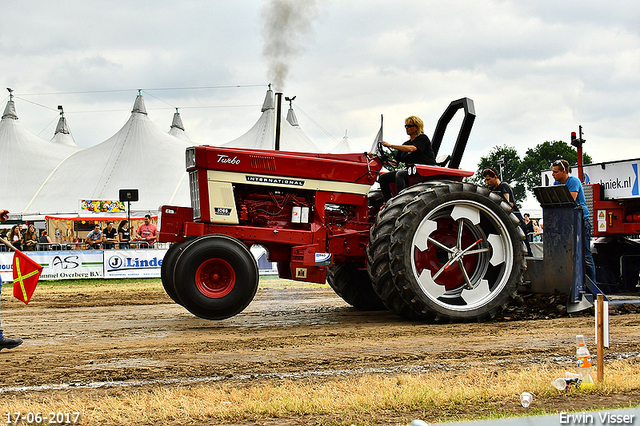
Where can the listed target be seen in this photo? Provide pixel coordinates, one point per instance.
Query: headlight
(190, 157)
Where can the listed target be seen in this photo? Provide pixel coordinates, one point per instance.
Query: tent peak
(291, 116)
(10, 110)
(177, 121)
(138, 105)
(62, 135)
(62, 123)
(62, 126)
(268, 101)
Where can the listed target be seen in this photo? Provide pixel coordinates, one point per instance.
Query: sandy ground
(79, 341)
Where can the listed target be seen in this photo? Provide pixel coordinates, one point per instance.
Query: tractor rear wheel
(378, 251)
(215, 277)
(351, 282)
(456, 253)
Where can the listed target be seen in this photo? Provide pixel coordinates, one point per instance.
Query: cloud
(535, 70)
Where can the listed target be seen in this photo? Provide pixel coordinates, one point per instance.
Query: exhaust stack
(278, 120)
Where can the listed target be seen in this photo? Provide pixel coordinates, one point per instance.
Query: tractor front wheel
(215, 277)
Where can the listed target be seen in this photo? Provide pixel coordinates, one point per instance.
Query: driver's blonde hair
(417, 121)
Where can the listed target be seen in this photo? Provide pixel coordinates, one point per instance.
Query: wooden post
(600, 337)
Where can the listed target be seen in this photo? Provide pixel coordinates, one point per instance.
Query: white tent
(291, 116)
(345, 146)
(27, 160)
(298, 135)
(177, 128)
(139, 156)
(262, 134)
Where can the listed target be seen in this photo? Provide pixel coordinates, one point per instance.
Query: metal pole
(579, 152)
(600, 338)
(278, 121)
(501, 165)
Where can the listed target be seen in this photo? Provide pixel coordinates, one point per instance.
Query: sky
(535, 70)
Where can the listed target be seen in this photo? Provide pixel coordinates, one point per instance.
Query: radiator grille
(195, 194)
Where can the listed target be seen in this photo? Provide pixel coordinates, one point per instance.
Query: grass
(438, 396)
(363, 400)
(97, 282)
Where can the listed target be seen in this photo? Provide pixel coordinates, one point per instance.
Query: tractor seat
(442, 160)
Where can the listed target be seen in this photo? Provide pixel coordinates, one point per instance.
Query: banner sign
(102, 206)
(619, 179)
(133, 263)
(81, 264)
(58, 265)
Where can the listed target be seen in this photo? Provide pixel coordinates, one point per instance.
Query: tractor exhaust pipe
(278, 120)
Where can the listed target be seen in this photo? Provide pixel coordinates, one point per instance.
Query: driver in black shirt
(417, 150)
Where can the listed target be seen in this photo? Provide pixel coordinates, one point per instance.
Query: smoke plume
(284, 25)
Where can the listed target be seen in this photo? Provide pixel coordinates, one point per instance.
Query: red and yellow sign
(104, 206)
(26, 273)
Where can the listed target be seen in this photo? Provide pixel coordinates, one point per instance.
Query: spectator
(493, 181)
(44, 241)
(529, 226)
(15, 236)
(537, 232)
(124, 234)
(30, 238)
(3, 235)
(94, 238)
(5, 342)
(110, 236)
(148, 231)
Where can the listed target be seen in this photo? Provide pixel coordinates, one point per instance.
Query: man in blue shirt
(560, 172)
(94, 238)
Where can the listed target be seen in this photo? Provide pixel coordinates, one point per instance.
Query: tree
(511, 170)
(525, 174)
(542, 157)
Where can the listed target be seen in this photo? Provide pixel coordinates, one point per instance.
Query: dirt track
(91, 338)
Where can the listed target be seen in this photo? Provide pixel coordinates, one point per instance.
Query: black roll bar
(463, 134)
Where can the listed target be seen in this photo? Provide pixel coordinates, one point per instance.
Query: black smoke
(285, 23)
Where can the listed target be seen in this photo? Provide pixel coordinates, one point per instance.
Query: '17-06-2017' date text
(59, 418)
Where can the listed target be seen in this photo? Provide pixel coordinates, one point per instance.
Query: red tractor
(441, 249)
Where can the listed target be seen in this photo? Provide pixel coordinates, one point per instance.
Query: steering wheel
(383, 153)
